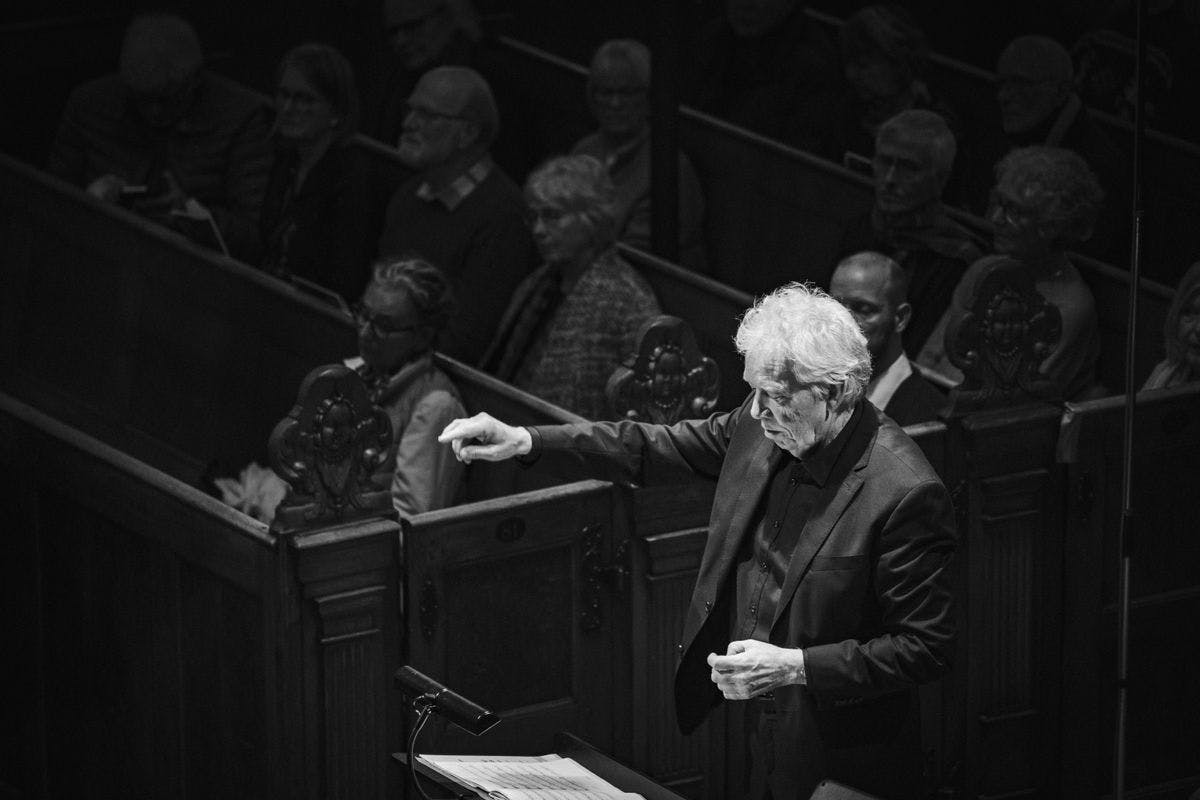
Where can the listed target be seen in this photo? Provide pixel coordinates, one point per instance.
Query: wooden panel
(667, 574)
(510, 605)
(148, 330)
(1164, 591)
(146, 666)
(1012, 621)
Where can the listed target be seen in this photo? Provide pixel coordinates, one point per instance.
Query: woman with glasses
(1045, 203)
(1181, 334)
(576, 318)
(315, 219)
(405, 306)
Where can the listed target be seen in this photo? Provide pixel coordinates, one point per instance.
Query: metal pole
(1125, 534)
(664, 130)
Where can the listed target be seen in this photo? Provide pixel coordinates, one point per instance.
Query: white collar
(882, 387)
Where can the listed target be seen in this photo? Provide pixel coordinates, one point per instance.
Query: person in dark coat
(824, 595)
(315, 220)
(874, 288)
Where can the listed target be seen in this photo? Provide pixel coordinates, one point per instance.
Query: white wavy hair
(811, 339)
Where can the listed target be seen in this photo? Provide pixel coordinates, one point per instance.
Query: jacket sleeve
(913, 590)
(645, 453)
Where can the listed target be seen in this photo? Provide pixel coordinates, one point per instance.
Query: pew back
(110, 319)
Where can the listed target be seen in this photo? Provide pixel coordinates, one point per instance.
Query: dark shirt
(795, 487)
(218, 152)
(323, 231)
(483, 244)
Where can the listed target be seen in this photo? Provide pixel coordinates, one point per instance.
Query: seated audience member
(421, 34)
(914, 155)
(406, 305)
(1181, 336)
(1045, 202)
(884, 55)
(874, 289)
(766, 66)
(1039, 106)
(459, 210)
(169, 138)
(618, 96)
(315, 219)
(575, 319)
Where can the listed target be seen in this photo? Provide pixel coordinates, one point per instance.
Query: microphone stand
(1125, 533)
(425, 705)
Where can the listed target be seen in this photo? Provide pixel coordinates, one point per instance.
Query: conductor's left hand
(750, 668)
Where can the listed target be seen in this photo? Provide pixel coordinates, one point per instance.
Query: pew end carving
(334, 449)
(667, 379)
(1000, 341)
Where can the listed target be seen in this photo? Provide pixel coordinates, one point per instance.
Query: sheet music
(549, 777)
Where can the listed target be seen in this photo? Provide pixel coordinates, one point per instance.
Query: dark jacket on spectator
(218, 151)
(483, 243)
(324, 231)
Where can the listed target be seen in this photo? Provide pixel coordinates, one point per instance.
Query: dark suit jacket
(916, 400)
(867, 594)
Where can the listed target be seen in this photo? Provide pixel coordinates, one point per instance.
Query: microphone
(426, 692)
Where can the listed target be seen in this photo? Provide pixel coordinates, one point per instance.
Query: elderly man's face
(795, 419)
(390, 333)
(905, 177)
(865, 291)
(419, 30)
(434, 128)
(619, 101)
(750, 18)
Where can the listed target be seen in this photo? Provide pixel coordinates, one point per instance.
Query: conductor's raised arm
(485, 437)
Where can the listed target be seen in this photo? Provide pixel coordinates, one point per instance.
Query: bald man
(459, 210)
(169, 139)
(874, 289)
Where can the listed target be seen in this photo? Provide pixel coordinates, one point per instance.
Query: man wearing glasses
(459, 209)
(405, 307)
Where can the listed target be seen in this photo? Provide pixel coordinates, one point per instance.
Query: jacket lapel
(816, 531)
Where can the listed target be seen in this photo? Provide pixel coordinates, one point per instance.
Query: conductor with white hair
(823, 598)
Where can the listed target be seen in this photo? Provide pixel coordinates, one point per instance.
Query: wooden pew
(160, 644)
(1164, 592)
(110, 320)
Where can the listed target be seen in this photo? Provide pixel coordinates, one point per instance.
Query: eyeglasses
(379, 327)
(548, 215)
(423, 116)
(1012, 213)
(610, 94)
(300, 100)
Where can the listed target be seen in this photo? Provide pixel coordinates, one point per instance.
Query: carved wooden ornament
(667, 379)
(1002, 339)
(329, 449)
